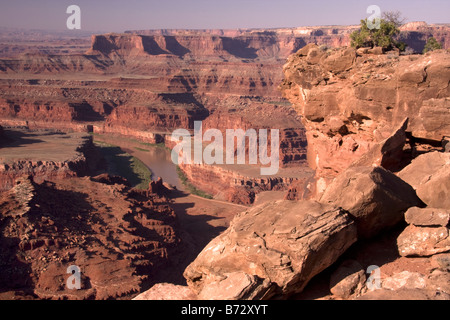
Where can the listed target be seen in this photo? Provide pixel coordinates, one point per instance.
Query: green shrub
(385, 36)
(432, 44)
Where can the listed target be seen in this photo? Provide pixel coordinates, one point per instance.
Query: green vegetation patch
(432, 44)
(191, 188)
(125, 165)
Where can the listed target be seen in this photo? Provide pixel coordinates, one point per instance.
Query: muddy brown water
(156, 158)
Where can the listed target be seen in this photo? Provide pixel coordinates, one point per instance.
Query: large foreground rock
(427, 217)
(374, 197)
(429, 175)
(275, 248)
(423, 241)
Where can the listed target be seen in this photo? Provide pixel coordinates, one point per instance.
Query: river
(156, 158)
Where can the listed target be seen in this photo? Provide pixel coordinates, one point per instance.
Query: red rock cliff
(350, 102)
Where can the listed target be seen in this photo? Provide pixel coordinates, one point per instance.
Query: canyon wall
(230, 184)
(76, 157)
(350, 101)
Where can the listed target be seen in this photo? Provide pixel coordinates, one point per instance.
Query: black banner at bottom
(270, 310)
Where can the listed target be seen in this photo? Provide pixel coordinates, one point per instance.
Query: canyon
(147, 83)
(352, 122)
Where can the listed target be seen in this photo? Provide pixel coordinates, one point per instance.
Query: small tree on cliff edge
(385, 36)
(432, 44)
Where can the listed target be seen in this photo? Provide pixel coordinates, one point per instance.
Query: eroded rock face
(276, 248)
(349, 103)
(120, 238)
(373, 196)
(47, 155)
(429, 175)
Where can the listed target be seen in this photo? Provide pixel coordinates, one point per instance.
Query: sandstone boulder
(167, 291)
(441, 261)
(423, 241)
(348, 279)
(234, 286)
(274, 248)
(427, 217)
(340, 61)
(429, 175)
(374, 51)
(373, 196)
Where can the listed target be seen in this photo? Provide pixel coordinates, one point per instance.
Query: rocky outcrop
(158, 187)
(119, 238)
(429, 175)
(348, 279)
(350, 103)
(388, 153)
(75, 156)
(275, 248)
(374, 197)
(235, 185)
(427, 234)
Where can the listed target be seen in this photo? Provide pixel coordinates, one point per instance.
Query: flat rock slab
(167, 291)
(423, 241)
(275, 248)
(427, 217)
(43, 146)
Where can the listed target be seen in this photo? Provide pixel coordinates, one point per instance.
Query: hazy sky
(121, 15)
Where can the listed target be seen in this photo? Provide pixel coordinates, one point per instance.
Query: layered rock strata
(46, 155)
(349, 103)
